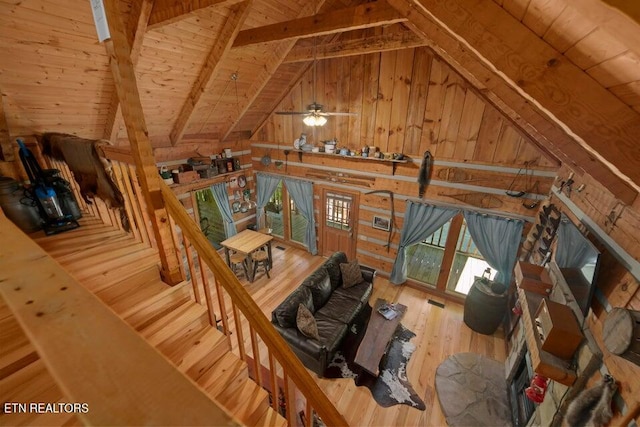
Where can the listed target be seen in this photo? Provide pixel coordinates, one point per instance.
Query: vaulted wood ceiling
(565, 72)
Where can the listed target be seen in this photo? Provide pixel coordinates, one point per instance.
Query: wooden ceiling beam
(169, 11)
(341, 48)
(269, 68)
(545, 92)
(619, 18)
(353, 18)
(304, 68)
(211, 67)
(135, 29)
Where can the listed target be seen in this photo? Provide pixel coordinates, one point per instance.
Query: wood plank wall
(53, 68)
(407, 102)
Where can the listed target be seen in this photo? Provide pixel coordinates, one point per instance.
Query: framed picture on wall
(381, 223)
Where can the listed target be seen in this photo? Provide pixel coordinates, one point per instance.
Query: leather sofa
(334, 308)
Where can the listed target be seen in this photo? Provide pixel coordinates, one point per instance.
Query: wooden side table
(377, 337)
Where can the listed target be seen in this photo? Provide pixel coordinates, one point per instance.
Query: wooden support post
(127, 88)
(136, 28)
(6, 150)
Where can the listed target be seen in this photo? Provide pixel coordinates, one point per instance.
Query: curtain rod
(469, 209)
(284, 176)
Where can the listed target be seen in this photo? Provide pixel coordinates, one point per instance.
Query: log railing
(258, 343)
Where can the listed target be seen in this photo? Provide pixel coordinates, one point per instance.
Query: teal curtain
(498, 240)
(221, 196)
(420, 221)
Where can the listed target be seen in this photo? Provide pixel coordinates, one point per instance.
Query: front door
(338, 225)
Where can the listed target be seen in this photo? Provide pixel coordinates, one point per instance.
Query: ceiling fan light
(313, 120)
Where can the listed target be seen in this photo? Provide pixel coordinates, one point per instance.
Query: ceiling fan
(315, 115)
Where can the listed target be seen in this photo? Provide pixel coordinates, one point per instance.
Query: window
(211, 222)
(448, 259)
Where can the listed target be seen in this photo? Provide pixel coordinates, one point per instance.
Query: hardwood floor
(440, 332)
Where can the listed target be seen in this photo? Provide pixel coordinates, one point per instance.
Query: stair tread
(64, 247)
(102, 276)
(77, 234)
(12, 336)
(178, 321)
(272, 418)
(96, 248)
(227, 373)
(112, 258)
(147, 312)
(16, 359)
(248, 403)
(194, 355)
(133, 291)
(33, 383)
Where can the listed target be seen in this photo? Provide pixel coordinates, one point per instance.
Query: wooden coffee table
(376, 339)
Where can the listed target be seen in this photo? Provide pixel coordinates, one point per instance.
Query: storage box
(185, 177)
(534, 278)
(559, 329)
(208, 172)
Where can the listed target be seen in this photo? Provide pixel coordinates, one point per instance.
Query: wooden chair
(239, 261)
(261, 257)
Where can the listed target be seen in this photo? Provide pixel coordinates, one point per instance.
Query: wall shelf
(203, 182)
(543, 363)
(394, 163)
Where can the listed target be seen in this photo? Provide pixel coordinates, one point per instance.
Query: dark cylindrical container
(484, 309)
(21, 210)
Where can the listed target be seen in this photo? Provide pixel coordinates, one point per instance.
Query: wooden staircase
(123, 273)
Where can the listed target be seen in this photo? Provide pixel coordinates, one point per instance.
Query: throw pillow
(351, 273)
(306, 322)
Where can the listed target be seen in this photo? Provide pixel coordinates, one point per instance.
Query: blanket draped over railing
(89, 169)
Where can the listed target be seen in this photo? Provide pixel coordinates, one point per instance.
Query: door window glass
(274, 212)
(468, 264)
(338, 211)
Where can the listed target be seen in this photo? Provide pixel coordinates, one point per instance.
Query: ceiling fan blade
(339, 114)
(292, 113)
